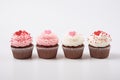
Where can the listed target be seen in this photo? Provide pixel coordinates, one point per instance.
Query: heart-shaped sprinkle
(97, 32)
(47, 31)
(18, 32)
(72, 33)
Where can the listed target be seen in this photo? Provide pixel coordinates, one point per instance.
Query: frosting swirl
(99, 39)
(21, 38)
(73, 39)
(47, 38)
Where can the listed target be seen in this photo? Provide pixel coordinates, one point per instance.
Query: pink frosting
(47, 38)
(21, 39)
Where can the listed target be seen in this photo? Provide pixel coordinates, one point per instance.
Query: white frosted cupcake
(72, 44)
(99, 44)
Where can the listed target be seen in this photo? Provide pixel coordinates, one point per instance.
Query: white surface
(61, 16)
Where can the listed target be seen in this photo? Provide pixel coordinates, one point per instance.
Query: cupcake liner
(22, 53)
(99, 52)
(73, 52)
(47, 52)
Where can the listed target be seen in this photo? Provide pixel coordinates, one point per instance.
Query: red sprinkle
(97, 32)
(24, 32)
(20, 32)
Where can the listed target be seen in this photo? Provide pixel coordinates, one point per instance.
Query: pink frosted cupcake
(73, 45)
(21, 45)
(47, 45)
(99, 44)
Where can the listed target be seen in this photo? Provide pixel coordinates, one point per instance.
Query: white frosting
(75, 40)
(101, 40)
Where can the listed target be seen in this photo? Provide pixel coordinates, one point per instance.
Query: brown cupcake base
(22, 53)
(99, 52)
(73, 52)
(47, 52)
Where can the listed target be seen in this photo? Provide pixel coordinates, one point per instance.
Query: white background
(60, 16)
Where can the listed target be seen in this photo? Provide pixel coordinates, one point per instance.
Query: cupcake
(47, 45)
(99, 44)
(21, 45)
(72, 45)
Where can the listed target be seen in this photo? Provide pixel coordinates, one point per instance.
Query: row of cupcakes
(72, 44)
